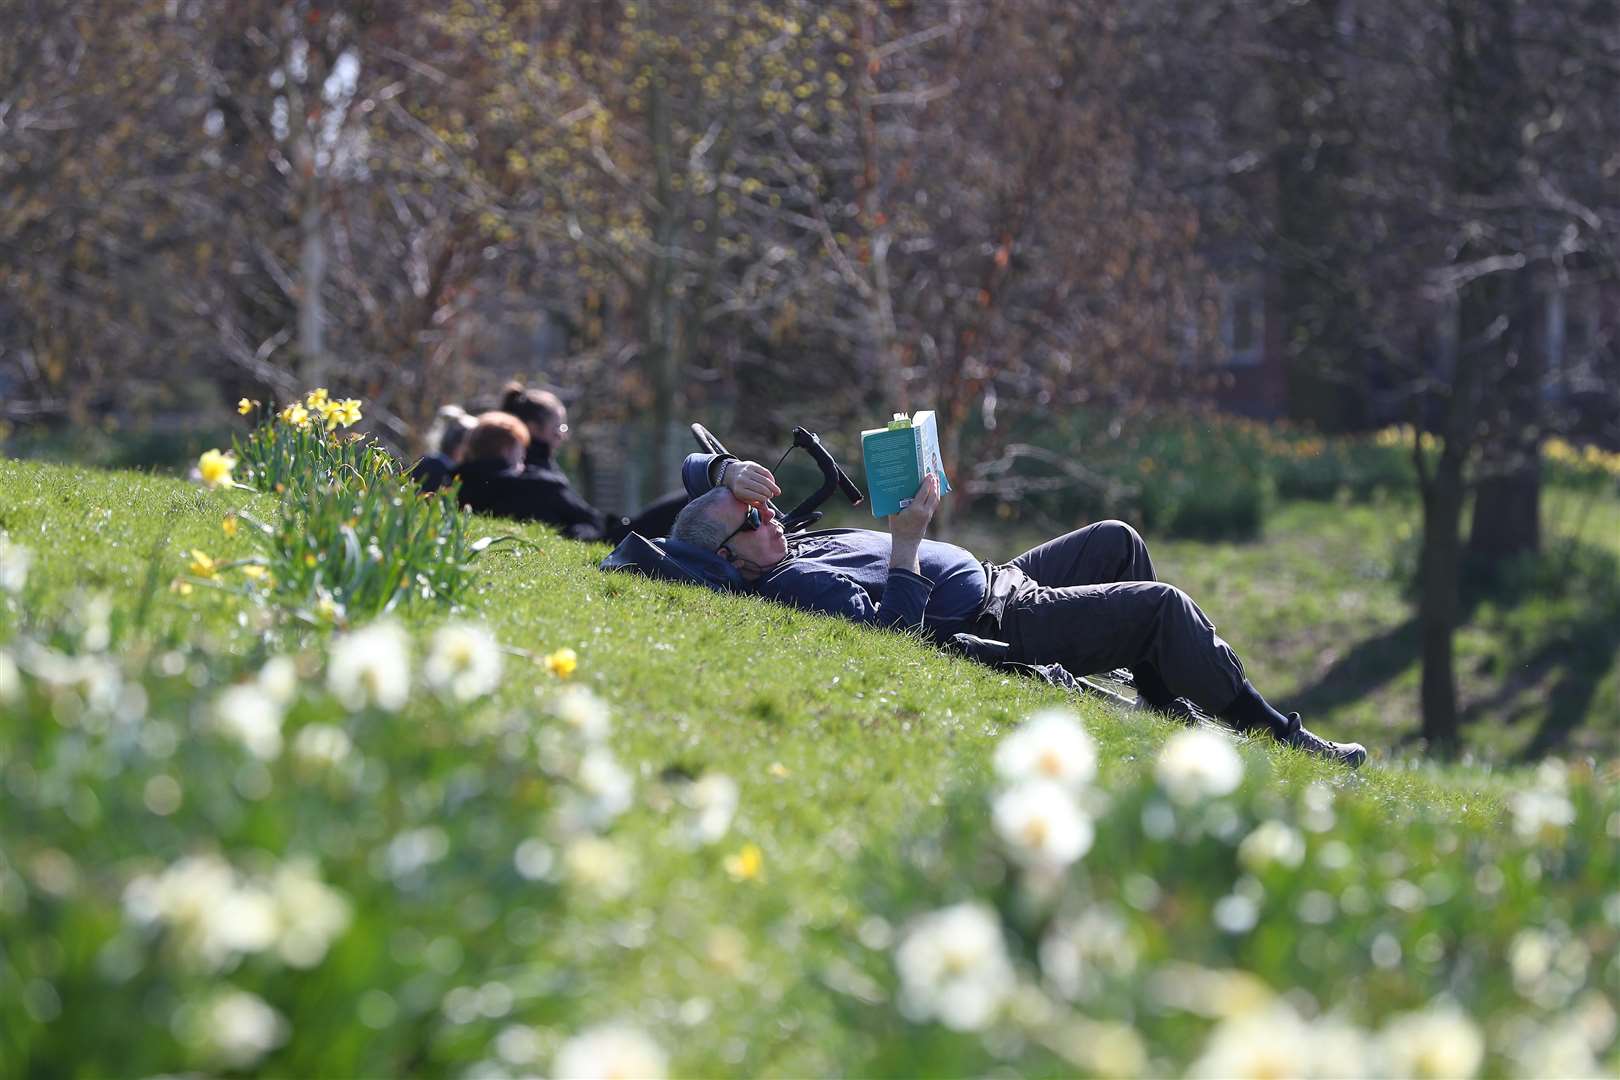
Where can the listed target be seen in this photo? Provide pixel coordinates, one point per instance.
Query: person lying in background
(492, 477)
(450, 427)
(1088, 600)
(546, 418)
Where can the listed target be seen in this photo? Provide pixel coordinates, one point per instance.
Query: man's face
(760, 549)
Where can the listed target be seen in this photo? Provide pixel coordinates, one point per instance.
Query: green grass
(863, 763)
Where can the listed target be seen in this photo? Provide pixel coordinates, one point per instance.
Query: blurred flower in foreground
(610, 1052)
(463, 661)
(1041, 825)
(310, 914)
(322, 746)
(371, 666)
(953, 967)
(229, 525)
(562, 662)
(216, 914)
(1050, 745)
(1272, 1041)
(1438, 1043)
(233, 1028)
(1541, 810)
(599, 865)
(250, 716)
(279, 679)
(1272, 842)
(584, 712)
(712, 801)
(14, 563)
(245, 406)
(215, 467)
(607, 788)
(213, 917)
(747, 863)
(1198, 764)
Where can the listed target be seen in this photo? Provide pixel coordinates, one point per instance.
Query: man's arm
(749, 481)
(907, 527)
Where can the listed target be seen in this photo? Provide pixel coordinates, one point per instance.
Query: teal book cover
(897, 457)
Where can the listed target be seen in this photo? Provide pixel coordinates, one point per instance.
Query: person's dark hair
(497, 435)
(699, 524)
(530, 406)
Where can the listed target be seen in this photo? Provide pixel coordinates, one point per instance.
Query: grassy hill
(466, 882)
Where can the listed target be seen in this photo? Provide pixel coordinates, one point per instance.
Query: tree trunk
(1321, 326)
(1484, 135)
(1437, 602)
(1507, 494)
(1507, 511)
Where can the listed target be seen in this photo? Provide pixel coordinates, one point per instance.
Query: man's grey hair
(699, 522)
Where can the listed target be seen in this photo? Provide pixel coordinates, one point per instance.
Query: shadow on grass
(1577, 660)
(1563, 606)
(1367, 666)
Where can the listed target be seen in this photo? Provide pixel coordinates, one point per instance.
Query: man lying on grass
(1087, 600)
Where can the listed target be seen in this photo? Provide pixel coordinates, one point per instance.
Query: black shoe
(1302, 738)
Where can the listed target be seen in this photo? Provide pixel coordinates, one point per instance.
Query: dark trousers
(1092, 605)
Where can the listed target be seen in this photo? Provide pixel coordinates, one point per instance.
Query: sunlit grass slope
(496, 881)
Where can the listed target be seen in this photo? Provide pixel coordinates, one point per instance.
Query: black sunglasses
(750, 522)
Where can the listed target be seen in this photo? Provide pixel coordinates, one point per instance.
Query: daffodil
(316, 398)
(215, 467)
(346, 412)
(562, 663)
(246, 406)
(229, 525)
(295, 415)
(201, 565)
(746, 864)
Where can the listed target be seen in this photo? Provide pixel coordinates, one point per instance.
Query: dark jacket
(491, 486)
(433, 471)
(845, 572)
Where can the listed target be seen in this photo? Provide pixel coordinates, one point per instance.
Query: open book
(897, 458)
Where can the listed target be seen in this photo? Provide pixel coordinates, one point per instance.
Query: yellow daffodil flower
(295, 415)
(215, 467)
(201, 565)
(746, 864)
(346, 412)
(246, 406)
(229, 525)
(316, 398)
(562, 663)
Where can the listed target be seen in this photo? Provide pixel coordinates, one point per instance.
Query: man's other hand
(751, 482)
(909, 524)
